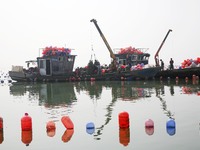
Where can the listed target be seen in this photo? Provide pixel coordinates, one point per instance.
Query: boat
(56, 64)
(131, 62)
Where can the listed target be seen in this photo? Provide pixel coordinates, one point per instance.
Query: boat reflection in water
(64, 95)
(48, 94)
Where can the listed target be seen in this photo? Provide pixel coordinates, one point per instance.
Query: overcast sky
(28, 25)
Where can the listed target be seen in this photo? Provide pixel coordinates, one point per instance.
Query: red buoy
(123, 120)
(1, 136)
(50, 126)
(149, 123)
(124, 136)
(26, 136)
(92, 79)
(67, 135)
(67, 122)
(26, 122)
(1, 123)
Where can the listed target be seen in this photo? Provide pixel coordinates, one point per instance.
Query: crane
(112, 55)
(156, 57)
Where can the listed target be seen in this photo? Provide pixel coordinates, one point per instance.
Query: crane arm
(104, 39)
(156, 57)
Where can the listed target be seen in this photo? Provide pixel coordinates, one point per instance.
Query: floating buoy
(171, 124)
(177, 78)
(149, 127)
(90, 125)
(186, 79)
(1, 123)
(67, 122)
(1, 136)
(50, 126)
(123, 120)
(92, 79)
(1, 130)
(122, 78)
(171, 127)
(171, 131)
(193, 77)
(67, 135)
(149, 130)
(124, 136)
(149, 123)
(26, 136)
(90, 128)
(26, 122)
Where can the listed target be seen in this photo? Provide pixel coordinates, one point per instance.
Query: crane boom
(104, 39)
(156, 57)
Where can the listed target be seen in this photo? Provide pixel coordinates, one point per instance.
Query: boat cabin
(56, 65)
(132, 59)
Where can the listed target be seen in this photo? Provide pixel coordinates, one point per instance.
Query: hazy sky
(28, 25)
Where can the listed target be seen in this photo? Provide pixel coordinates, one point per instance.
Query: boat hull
(20, 76)
(180, 73)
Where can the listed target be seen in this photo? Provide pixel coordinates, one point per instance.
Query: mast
(104, 39)
(156, 57)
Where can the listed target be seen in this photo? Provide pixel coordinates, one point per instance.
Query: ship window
(60, 58)
(70, 59)
(122, 61)
(41, 64)
(117, 59)
(133, 57)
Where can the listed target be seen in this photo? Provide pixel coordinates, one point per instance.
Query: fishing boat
(56, 64)
(129, 63)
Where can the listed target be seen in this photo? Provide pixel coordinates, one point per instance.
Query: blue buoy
(171, 124)
(90, 125)
(171, 131)
(171, 127)
(90, 128)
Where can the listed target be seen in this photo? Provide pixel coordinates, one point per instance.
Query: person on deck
(162, 64)
(171, 64)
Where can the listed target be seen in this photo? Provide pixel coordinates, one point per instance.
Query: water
(101, 103)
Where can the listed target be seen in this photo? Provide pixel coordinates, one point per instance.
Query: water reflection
(52, 95)
(67, 135)
(1, 136)
(48, 94)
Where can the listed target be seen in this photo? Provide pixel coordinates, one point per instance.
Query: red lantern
(26, 122)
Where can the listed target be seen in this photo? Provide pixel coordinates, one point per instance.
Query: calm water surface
(101, 103)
